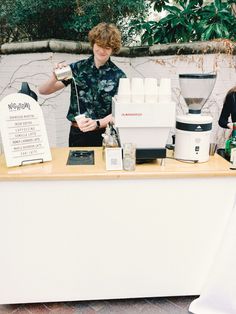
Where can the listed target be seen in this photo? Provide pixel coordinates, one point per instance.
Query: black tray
(221, 152)
(81, 157)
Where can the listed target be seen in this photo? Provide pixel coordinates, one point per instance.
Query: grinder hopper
(196, 89)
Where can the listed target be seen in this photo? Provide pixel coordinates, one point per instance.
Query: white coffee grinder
(192, 134)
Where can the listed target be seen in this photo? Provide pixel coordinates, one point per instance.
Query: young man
(95, 82)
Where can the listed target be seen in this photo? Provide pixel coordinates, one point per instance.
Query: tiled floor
(171, 305)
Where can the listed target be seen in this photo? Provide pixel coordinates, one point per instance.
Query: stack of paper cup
(165, 90)
(150, 90)
(124, 92)
(137, 90)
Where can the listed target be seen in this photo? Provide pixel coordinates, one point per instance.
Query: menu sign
(23, 131)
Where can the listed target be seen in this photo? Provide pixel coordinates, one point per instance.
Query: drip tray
(80, 157)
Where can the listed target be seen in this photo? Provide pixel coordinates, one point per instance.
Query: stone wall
(23, 65)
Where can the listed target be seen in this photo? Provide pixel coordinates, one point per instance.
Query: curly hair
(105, 35)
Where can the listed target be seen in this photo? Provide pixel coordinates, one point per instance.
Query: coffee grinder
(193, 130)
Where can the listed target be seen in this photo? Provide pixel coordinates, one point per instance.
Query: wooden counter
(58, 170)
(72, 233)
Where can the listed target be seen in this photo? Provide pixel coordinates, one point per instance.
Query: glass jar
(129, 156)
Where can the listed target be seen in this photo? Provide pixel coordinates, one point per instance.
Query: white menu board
(23, 130)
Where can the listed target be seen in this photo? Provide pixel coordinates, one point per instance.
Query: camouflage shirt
(95, 87)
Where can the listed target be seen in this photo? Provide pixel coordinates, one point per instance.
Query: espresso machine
(193, 130)
(144, 114)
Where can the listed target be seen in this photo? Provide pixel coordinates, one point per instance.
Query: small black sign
(81, 157)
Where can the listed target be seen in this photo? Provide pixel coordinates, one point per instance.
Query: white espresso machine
(144, 115)
(192, 136)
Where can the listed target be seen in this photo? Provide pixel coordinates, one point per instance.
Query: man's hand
(86, 124)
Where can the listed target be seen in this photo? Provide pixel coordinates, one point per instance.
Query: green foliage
(158, 5)
(216, 21)
(38, 19)
(189, 21)
(186, 20)
(118, 12)
(5, 27)
(64, 19)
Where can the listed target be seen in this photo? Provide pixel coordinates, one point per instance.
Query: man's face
(101, 54)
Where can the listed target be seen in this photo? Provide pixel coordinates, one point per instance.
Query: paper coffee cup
(123, 95)
(79, 117)
(137, 90)
(150, 90)
(64, 73)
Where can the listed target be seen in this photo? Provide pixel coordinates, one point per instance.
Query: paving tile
(170, 305)
(37, 308)
(147, 308)
(97, 305)
(183, 302)
(85, 309)
(13, 308)
(6, 309)
(60, 308)
(21, 310)
(131, 306)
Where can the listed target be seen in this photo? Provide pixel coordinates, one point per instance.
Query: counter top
(58, 170)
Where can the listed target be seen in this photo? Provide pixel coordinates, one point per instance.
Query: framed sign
(113, 157)
(23, 131)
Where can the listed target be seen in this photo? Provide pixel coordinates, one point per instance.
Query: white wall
(35, 68)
